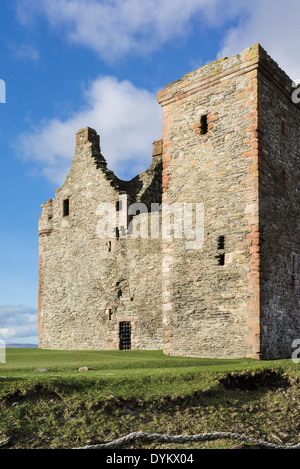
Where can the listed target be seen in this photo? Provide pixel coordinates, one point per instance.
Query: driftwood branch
(150, 437)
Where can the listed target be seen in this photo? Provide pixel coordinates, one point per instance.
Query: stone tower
(230, 143)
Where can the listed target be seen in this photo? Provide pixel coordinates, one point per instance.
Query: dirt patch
(34, 393)
(253, 380)
(246, 381)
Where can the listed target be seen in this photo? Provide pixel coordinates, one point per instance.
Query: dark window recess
(125, 335)
(50, 217)
(221, 259)
(66, 208)
(117, 233)
(110, 313)
(294, 281)
(221, 242)
(203, 125)
(120, 293)
(119, 206)
(109, 246)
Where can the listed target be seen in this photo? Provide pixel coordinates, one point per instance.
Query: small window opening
(203, 125)
(294, 279)
(66, 208)
(109, 246)
(117, 231)
(221, 259)
(109, 314)
(221, 247)
(119, 205)
(120, 293)
(221, 242)
(50, 217)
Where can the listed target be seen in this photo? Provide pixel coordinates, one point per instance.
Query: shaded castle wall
(213, 310)
(87, 286)
(279, 211)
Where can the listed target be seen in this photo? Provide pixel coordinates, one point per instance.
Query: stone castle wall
(279, 211)
(88, 284)
(230, 144)
(211, 309)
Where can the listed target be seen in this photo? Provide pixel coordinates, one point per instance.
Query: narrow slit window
(109, 246)
(109, 314)
(221, 247)
(294, 280)
(66, 207)
(221, 242)
(221, 259)
(203, 125)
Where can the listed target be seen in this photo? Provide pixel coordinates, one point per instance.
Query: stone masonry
(230, 143)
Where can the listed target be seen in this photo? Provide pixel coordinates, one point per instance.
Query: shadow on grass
(231, 386)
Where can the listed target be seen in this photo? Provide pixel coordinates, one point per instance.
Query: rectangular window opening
(66, 207)
(221, 242)
(221, 259)
(109, 314)
(294, 279)
(203, 125)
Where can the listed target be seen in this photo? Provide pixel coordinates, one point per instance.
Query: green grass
(142, 391)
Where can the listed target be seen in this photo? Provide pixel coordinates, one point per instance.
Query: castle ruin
(231, 143)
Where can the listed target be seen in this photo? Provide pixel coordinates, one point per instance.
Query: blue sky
(69, 64)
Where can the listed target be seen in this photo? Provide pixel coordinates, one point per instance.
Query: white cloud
(127, 118)
(116, 28)
(18, 323)
(273, 24)
(25, 51)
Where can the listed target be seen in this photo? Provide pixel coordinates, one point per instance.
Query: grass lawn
(129, 391)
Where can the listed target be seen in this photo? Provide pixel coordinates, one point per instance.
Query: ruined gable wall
(85, 288)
